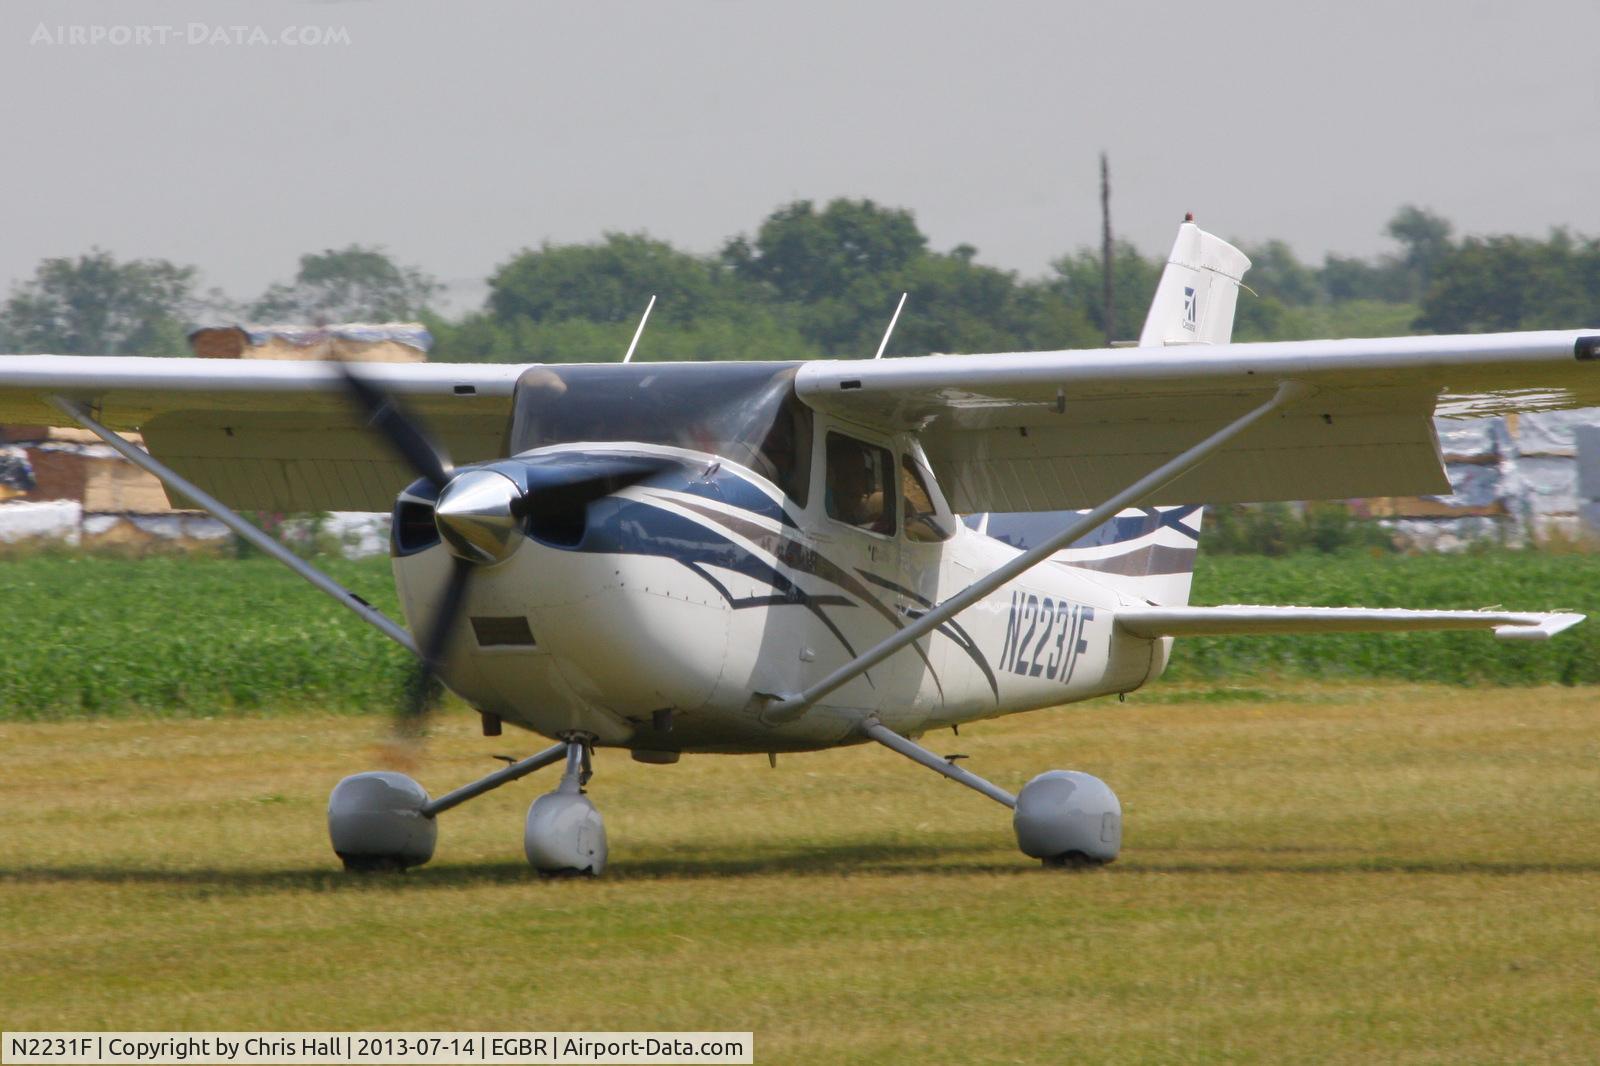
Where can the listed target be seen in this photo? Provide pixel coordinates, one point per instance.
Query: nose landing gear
(564, 834)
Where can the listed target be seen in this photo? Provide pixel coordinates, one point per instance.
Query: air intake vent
(559, 516)
(510, 632)
(413, 529)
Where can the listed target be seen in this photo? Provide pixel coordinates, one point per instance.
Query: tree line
(813, 281)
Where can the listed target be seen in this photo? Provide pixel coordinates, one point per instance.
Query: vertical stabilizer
(1199, 288)
(1148, 553)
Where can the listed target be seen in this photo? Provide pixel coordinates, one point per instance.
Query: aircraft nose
(477, 515)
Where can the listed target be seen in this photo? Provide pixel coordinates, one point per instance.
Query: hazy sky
(455, 134)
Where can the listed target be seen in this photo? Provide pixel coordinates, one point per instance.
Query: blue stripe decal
(727, 487)
(797, 556)
(1024, 529)
(950, 629)
(628, 527)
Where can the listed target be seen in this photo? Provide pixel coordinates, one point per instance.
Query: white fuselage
(693, 600)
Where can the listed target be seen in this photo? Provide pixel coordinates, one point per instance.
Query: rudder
(1198, 291)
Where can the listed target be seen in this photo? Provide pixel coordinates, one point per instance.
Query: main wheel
(375, 822)
(1068, 818)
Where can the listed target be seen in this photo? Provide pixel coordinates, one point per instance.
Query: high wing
(1149, 622)
(1005, 432)
(1038, 431)
(275, 435)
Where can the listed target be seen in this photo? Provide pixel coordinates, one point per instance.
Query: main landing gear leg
(385, 821)
(1063, 817)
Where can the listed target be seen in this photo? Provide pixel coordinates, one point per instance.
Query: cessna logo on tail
(1188, 309)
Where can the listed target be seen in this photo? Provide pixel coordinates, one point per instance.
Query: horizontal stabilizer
(1151, 622)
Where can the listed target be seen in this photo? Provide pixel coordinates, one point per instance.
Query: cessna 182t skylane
(769, 557)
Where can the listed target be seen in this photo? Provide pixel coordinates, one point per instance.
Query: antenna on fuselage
(885, 342)
(640, 331)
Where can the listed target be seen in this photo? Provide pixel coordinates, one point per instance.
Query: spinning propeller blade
(404, 433)
(422, 694)
(410, 441)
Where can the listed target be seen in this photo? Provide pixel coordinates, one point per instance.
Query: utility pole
(1105, 252)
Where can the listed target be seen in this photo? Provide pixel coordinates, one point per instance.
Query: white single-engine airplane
(767, 557)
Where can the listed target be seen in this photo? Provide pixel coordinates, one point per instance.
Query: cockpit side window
(860, 484)
(924, 523)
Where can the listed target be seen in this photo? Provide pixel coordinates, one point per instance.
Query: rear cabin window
(860, 487)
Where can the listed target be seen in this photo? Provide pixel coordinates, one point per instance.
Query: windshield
(746, 412)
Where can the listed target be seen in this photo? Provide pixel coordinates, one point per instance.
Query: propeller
(405, 435)
(481, 514)
(403, 432)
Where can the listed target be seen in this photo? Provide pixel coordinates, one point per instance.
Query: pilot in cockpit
(855, 492)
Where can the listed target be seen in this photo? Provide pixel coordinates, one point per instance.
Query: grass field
(1312, 873)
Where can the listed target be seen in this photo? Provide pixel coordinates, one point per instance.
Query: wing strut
(789, 708)
(234, 521)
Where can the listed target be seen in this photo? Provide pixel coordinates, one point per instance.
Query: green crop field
(97, 635)
(89, 635)
(1517, 581)
(1316, 873)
